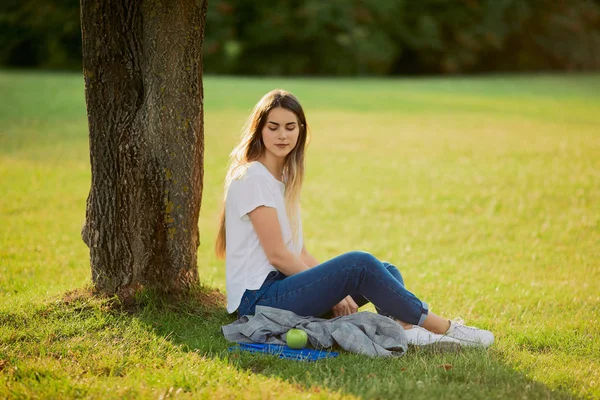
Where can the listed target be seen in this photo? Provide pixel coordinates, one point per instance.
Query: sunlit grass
(485, 192)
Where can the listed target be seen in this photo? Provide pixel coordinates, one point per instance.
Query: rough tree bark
(142, 62)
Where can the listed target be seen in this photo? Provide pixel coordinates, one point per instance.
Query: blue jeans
(316, 291)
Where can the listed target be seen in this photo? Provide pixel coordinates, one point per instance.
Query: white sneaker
(468, 335)
(417, 336)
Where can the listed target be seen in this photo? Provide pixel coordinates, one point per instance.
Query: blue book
(285, 352)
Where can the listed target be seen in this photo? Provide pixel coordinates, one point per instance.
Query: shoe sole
(480, 345)
(438, 346)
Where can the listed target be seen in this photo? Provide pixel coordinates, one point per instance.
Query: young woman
(261, 239)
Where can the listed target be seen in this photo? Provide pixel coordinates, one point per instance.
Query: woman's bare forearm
(308, 259)
(287, 263)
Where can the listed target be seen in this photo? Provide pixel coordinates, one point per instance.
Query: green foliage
(370, 37)
(340, 37)
(483, 191)
(39, 33)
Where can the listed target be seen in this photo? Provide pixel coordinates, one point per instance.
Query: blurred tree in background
(343, 37)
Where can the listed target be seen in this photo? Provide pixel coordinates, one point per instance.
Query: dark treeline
(343, 37)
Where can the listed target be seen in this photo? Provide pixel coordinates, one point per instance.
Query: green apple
(296, 338)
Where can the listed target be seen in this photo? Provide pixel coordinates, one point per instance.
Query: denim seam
(354, 265)
(422, 311)
(300, 288)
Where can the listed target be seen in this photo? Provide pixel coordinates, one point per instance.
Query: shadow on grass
(421, 374)
(192, 324)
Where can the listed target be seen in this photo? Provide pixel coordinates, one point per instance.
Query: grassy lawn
(485, 192)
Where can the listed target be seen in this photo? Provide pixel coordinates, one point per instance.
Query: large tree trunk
(142, 63)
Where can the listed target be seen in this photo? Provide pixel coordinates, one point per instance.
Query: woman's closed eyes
(289, 127)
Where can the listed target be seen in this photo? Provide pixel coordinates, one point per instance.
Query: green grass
(484, 191)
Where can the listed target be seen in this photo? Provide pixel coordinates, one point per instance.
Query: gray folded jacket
(365, 333)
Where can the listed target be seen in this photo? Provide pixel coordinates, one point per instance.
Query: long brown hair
(251, 148)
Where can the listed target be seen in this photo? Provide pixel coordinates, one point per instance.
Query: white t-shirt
(247, 265)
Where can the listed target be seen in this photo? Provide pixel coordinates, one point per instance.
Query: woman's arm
(266, 224)
(307, 258)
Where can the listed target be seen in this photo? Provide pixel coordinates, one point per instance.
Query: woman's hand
(345, 307)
